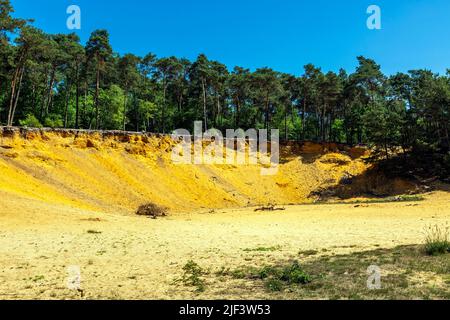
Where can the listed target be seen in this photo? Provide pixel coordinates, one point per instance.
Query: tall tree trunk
(322, 123)
(13, 94)
(217, 118)
(205, 119)
(33, 98)
(97, 90)
(163, 111)
(266, 125)
(50, 91)
(44, 95)
(136, 111)
(303, 119)
(386, 149)
(125, 102)
(359, 135)
(77, 98)
(238, 112)
(83, 113)
(285, 124)
(5, 89)
(331, 137)
(66, 110)
(17, 96)
(180, 102)
(18, 73)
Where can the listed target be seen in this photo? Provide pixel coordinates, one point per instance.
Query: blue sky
(283, 34)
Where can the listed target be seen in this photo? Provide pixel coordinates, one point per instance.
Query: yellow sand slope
(117, 173)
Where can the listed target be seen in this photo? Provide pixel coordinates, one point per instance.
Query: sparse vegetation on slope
(117, 172)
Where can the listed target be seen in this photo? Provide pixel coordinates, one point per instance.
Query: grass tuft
(437, 240)
(94, 232)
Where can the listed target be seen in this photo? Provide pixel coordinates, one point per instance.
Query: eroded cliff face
(116, 172)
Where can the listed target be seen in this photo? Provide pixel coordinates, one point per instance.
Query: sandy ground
(139, 258)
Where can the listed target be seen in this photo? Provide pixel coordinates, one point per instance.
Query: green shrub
(437, 240)
(294, 274)
(53, 121)
(192, 276)
(267, 271)
(30, 121)
(275, 277)
(274, 284)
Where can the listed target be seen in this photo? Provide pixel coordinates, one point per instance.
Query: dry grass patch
(406, 273)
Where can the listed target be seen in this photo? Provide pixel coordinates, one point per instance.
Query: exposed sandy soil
(113, 174)
(139, 258)
(69, 200)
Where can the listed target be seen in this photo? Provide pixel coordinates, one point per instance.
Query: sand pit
(116, 173)
(63, 206)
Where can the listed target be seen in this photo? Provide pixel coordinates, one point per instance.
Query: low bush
(152, 210)
(192, 276)
(30, 121)
(294, 274)
(275, 277)
(53, 121)
(274, 285)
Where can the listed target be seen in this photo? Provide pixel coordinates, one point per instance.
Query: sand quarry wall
(117, 172)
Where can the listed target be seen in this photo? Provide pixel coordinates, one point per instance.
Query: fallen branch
(270, 208)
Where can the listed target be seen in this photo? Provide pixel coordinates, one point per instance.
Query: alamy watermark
(374, 280)
(74, 20)
(374, 20)
(74, 278)
(236, 147)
